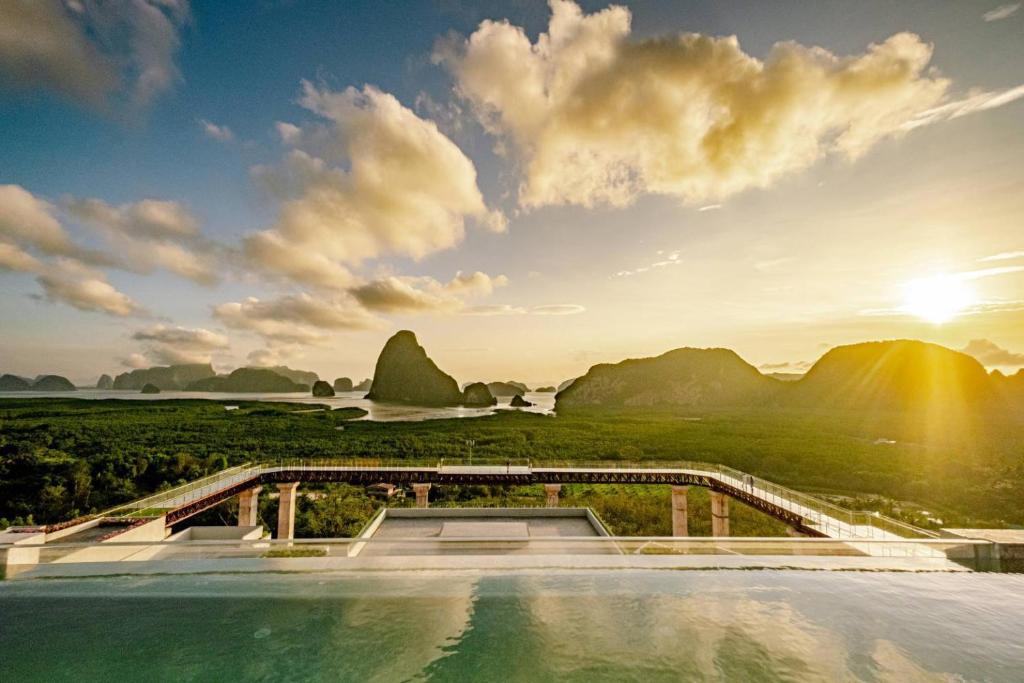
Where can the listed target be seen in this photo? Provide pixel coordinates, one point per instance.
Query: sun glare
(937, 299)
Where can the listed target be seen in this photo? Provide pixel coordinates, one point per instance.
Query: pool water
(572, 626)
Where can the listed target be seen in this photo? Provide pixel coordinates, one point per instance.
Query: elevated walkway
(806, 514)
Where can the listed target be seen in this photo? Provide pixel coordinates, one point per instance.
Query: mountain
(171, 378)
(249, 380)
(519, 402)
(545, 390)
(322, 389)
(405, 374)
(506, 388)
(690, 378)
(150, 389)
(105, 382)
(365, 385)
(298, 376)
(53, 383)
(1010, 388)
(901, 374)
(343, 384)
(566, 384)
(478, 395)
(14, 383)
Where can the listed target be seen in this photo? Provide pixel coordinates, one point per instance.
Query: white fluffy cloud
(29, 220)
(295, 318)
(396, 294)
(402, 188)
(89, 49)
(166, 345)
(595, 116)
(70, 282)
(152, 234)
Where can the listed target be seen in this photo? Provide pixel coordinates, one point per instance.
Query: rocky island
(405, 374)
(249, 380)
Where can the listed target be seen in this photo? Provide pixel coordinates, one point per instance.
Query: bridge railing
(193, 490)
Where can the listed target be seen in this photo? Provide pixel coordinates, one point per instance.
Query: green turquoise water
(602, 626)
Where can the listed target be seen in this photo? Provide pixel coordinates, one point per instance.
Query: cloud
(557, 309)
(1004, 256)
(494, 309)
(1001, 12)
(294, 318)
(595, 116)
(505, 309)
(974, 102)
(212, 130)
(135, 361)
(167, 345)
(402, 188)
(16, 259)
(669, 259)
(30, 220)
(71, 282)
(786, 366)
(152, 234)
(273, 355)
(89, 49)
(989, 353)
(397, 294)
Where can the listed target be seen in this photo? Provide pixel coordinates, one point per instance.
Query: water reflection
(571, 626)
(543, 403)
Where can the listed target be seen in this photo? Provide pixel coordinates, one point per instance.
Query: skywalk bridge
(806, 515)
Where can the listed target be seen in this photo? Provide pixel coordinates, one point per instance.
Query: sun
(937, 299)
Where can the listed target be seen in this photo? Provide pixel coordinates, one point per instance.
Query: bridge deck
(807, 513)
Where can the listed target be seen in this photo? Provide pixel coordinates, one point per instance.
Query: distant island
(249, 380)
(41, 383)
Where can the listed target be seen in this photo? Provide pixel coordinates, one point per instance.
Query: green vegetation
(63, 457)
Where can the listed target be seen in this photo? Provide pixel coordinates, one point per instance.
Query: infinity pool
(600, 626)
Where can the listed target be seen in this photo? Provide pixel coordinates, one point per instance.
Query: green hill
(687, 378)
(249, 380)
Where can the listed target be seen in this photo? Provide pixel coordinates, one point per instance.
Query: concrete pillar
(719, 514)
(552, 491)
(286, 510)
(421, 491)
(680, 526)
(249, 506)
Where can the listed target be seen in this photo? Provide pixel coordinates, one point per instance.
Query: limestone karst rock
(477, 395)
(405, 374)
(322, 389)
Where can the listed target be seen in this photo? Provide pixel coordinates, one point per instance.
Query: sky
(532, 188)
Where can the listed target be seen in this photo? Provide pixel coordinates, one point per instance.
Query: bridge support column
(421, 491)
(249, 506)
(286, 510)
(551, 491)
(680, 526)
(719, 514)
